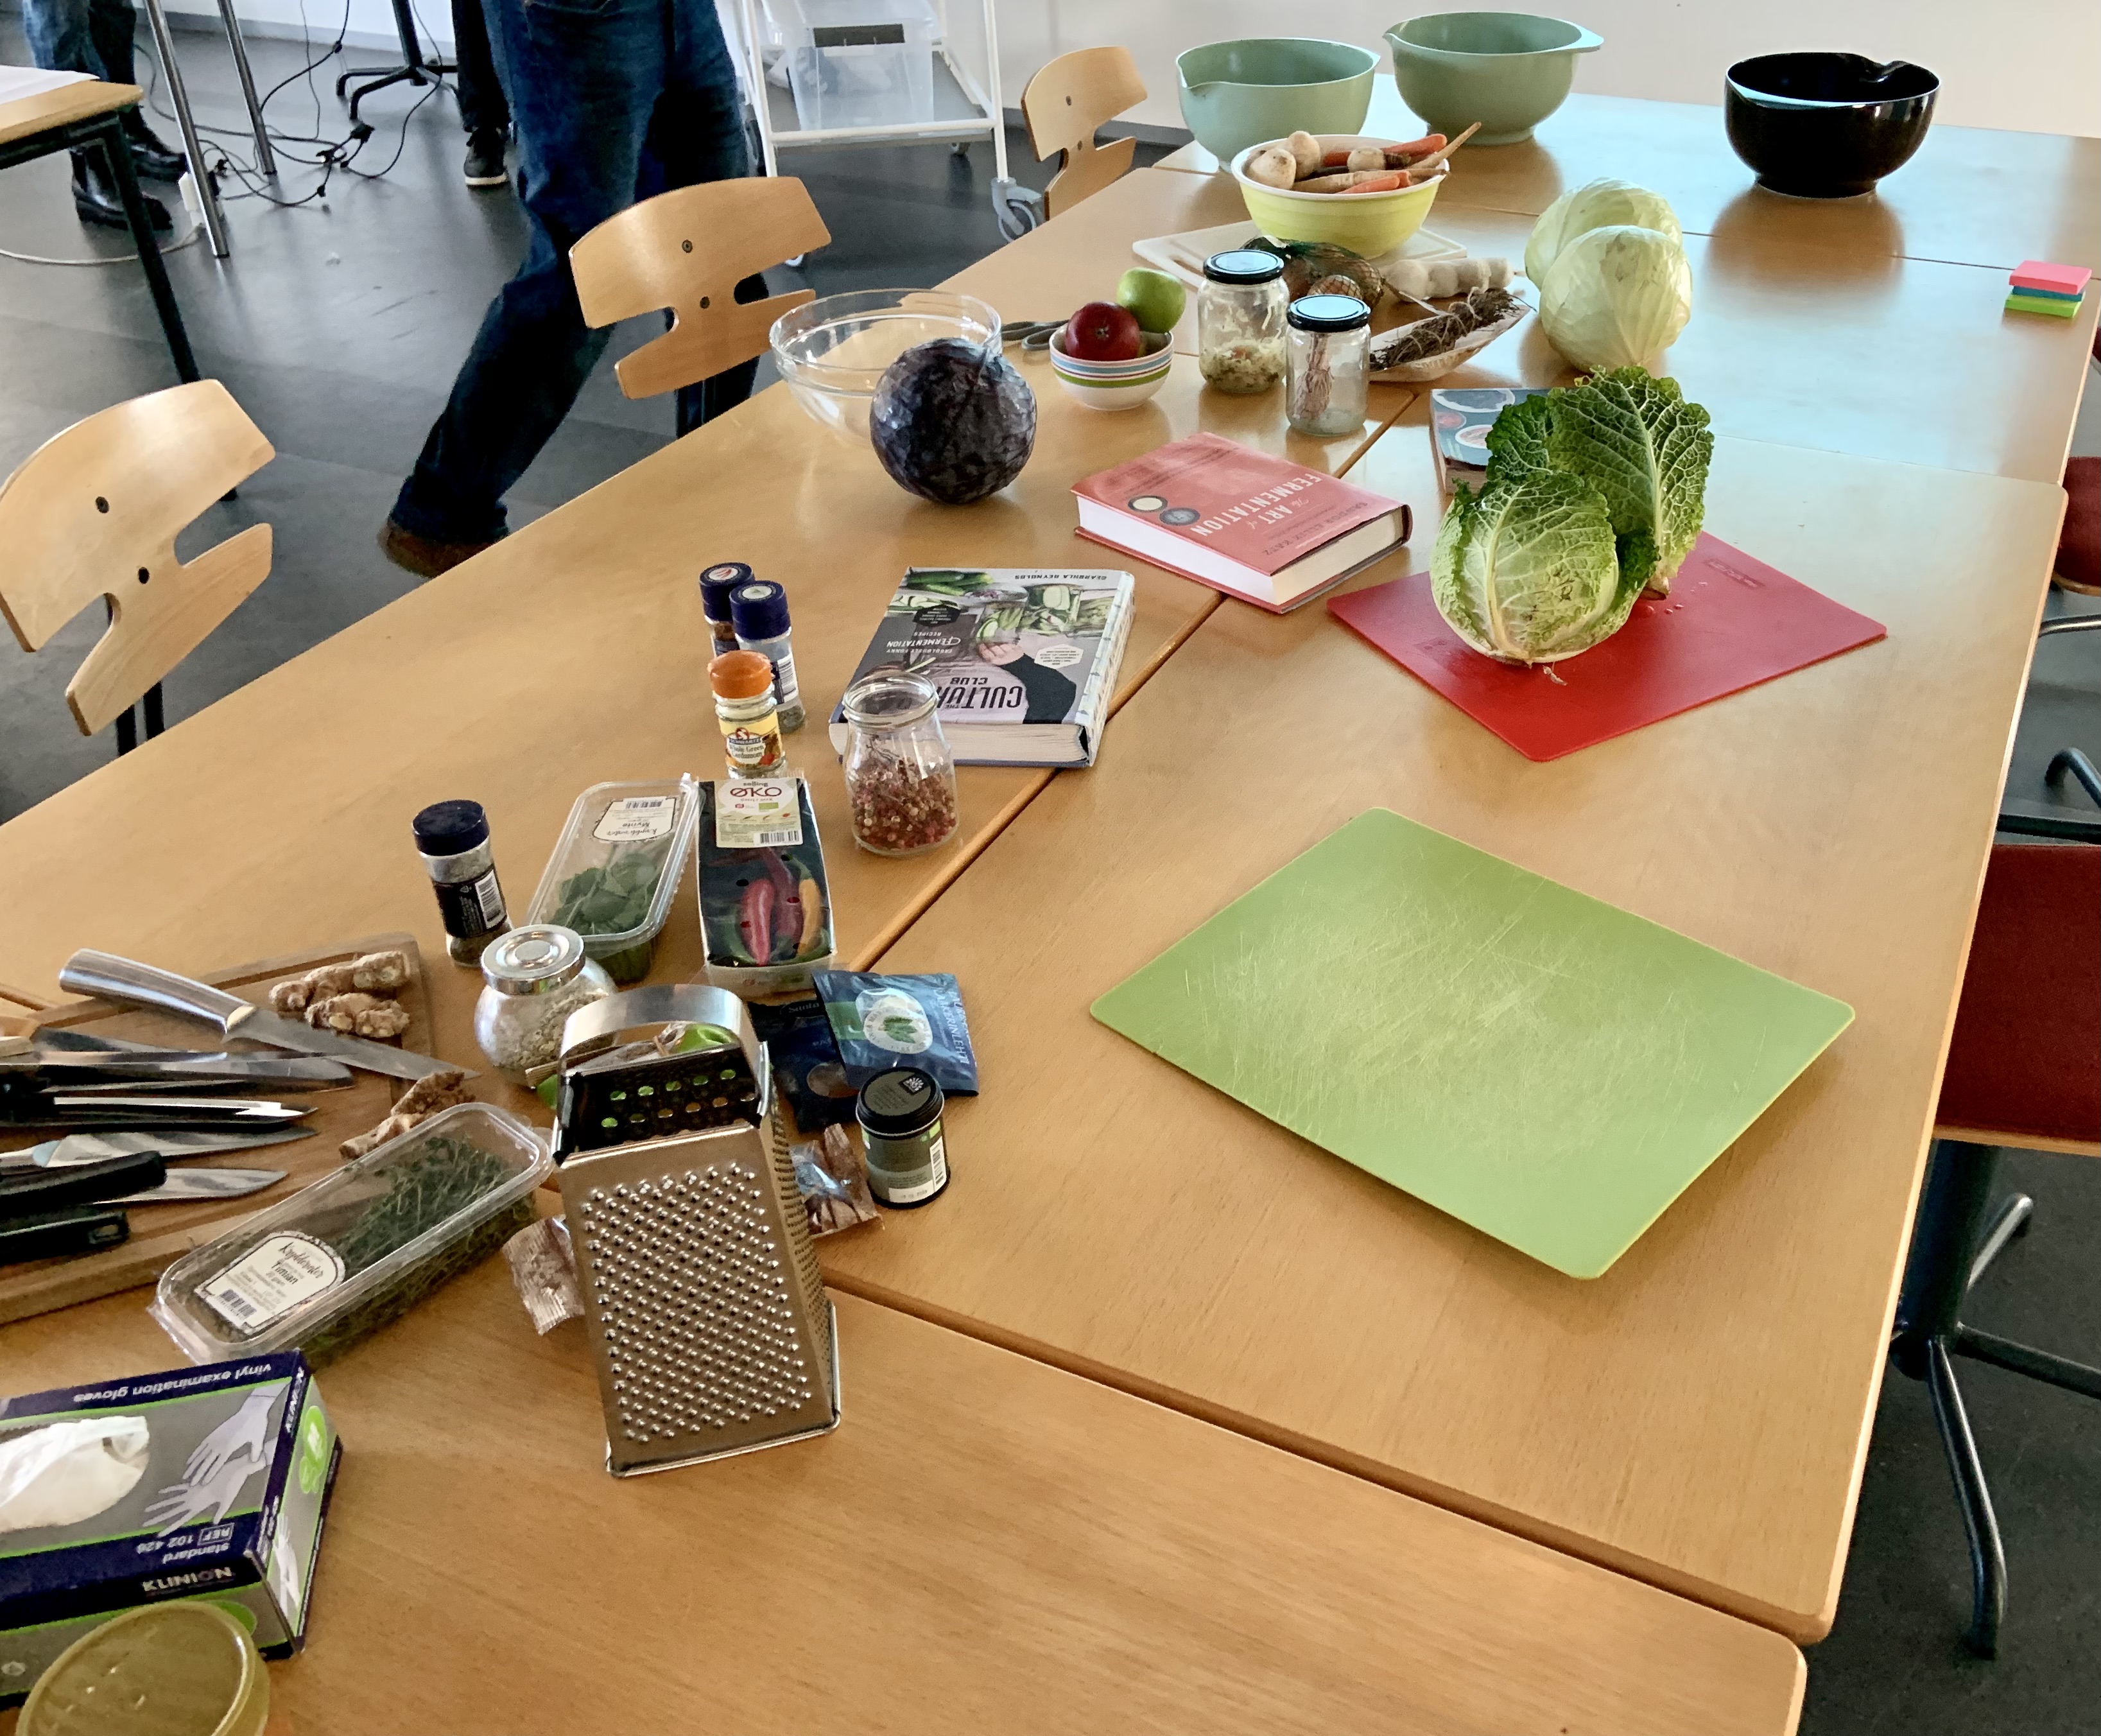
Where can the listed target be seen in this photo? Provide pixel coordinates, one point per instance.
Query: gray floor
(338, 327)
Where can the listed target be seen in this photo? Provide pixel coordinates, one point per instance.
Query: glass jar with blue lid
(1240, 320)
(1330, 344)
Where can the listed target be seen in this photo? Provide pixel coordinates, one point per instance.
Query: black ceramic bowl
(1827, 125)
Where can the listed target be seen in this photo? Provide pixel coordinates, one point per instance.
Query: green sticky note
(2020, 302)
(1544, 1066)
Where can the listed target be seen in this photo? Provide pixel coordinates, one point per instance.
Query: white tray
(1183, 254)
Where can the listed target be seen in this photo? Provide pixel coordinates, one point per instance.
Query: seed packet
(805, 1061)
(881, 1022)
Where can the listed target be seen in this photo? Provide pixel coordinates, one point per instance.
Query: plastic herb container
(617, 868)
(361, 1247)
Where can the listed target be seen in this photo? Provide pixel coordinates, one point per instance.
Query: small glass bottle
(901, 775)
(534, 978)
(899, 1112)
(716, 584)
(453, 840)
(759, 612)
(1331, 364)
(749, 714)
(1240, 320)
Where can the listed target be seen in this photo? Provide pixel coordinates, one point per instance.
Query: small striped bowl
(1115, 385)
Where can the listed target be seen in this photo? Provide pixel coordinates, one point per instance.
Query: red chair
(2024, 1069)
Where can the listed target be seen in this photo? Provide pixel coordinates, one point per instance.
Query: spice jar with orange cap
(749, 713)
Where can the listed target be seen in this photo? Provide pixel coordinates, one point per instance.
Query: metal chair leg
(2038, 1365)
(127, 731)
(117, 154)
(266, 159)
(214, 219)
(1988, 1554)
(2012, 1220)
(156, 717)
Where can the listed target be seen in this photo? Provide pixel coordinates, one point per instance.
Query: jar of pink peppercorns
(900, 776)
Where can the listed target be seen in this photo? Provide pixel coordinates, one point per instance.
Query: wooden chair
(1067, 101)
(94, 512)
(686, 251)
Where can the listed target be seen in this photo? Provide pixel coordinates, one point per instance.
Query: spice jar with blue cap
(760, 613)
(1329, 348)
(1240, 320)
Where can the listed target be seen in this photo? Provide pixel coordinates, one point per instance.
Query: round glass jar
(1330, 346)
(533, 979)
(899, 1112)
(1240, 320)
(900, 776)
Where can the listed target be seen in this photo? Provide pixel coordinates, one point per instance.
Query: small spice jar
(758, 611)
(1329, 348)
(716, 584)
(900, 776)
(747, 712)
(534, 978)
(1240, 320)
(899, 1112)
(453, 840)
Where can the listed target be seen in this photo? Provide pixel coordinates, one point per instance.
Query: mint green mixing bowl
(1241, 93)
(1507, 70)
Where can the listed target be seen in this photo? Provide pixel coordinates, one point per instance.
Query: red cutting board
(1729, 623)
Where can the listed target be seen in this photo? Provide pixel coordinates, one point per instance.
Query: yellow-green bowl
(1369, 224)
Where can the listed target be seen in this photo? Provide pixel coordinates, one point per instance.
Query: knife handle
(54, 1234)
(125, 979)
(48, 1190)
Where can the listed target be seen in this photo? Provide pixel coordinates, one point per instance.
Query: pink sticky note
(2040, 274)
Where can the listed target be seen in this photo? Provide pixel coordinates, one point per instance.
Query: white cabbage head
(1616, 297)
(1599, 204)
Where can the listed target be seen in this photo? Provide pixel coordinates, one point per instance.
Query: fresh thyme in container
(361, 1247)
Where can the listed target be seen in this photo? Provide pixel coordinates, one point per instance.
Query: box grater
(706, 1312)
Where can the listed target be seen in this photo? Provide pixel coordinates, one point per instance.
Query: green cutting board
(1543, 1066)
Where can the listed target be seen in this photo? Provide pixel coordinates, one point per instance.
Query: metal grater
(706, 1312)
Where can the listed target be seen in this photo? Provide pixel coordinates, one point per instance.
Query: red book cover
(1729, 623)
(1262, 512)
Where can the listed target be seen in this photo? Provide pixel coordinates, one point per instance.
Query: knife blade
(127, 980)
(180, 1067)
(48, 1190)
(186, 1108)
(187, 1186)
(173, 1145)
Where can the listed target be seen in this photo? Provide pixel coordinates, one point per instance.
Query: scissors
(1031, 335)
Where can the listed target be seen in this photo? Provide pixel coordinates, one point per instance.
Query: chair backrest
(94, 512)
(686, 249)
(1065, 102)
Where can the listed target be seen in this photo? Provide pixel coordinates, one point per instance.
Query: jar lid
(448, 828)
(1243, 265)
(899, 1103)
(533, 960)
(716, 584)
(889, 698)
(740, 675)
(1328, 313)
(759, 609)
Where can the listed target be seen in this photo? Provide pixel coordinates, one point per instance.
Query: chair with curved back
(686, 251)
(95, 511)
(1065, 104)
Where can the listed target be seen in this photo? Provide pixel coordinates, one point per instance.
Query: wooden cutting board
(161, 1234)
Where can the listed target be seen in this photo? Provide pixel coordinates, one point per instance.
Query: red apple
(1102, 331)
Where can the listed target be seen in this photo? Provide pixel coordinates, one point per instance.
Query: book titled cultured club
(1263, 529)
(1024, 662)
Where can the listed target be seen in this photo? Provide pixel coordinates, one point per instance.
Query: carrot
(1335, 159)
(1427, 142)
(1392, 181)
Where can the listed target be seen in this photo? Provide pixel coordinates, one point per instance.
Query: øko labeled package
(209, 1482)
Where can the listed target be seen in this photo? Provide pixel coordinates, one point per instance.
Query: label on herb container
(637, 819)
(280, 1273)
(759, 814)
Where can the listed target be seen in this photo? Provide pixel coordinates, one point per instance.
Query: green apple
(1156, 299)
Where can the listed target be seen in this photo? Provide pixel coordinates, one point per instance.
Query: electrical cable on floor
(107, 258)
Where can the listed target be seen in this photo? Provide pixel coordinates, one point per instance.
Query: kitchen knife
(133, 983)
(46, 1190)
(85, 1148)
(230, 1109)
(186, 1186)
(89, 1070)
(54, 1235)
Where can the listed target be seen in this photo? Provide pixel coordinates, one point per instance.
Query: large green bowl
(1507, 70)
(1238, 94)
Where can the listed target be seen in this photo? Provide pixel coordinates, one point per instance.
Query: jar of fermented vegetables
(534, 978)
(1240, 320)
(900, 776)
(1329, 356)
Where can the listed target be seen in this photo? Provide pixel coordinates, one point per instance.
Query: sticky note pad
(1538, 1064)
(2056, 306)
(2040, 274)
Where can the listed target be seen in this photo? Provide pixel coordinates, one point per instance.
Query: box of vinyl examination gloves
(209, 1482)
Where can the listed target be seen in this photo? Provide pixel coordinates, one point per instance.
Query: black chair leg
(127, 730)
(118, 156)
(156, 719)
(1988, 1554)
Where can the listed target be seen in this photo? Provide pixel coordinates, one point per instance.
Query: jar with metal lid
(899, 1112)
(451, 838)
(534, 978)
(901, 775)
(1330, 346)
(749, 712)
(1240, 320)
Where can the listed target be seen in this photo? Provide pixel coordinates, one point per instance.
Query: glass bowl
(832, 351)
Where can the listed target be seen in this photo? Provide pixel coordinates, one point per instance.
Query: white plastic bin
(858, 63)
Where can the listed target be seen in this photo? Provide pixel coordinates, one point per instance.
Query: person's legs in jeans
(483, 109)
(63, 38)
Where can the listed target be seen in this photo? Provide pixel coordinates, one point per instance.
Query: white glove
(192, 1503)
(70, 1471)
(246, 1431)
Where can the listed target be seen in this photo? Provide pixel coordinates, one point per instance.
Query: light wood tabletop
(985, 1544)
(61, 106)
(1698, 1414)
(1972, 196)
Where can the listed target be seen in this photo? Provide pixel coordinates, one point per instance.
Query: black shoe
(150, 155)
(484, 159)
(97, 202)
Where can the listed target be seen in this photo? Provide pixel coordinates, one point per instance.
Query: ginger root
(359, 1014)
(377, 972)
(416, 1104)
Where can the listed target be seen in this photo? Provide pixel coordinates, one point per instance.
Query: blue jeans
(82, 36)
(614, 101)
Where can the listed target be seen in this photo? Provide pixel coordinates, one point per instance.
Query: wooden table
(985, 1544)
(1697, 1415)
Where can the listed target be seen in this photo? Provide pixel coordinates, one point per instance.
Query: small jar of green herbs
(616, 868)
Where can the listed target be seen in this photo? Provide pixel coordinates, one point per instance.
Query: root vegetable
(1443, 152)
(1273, 166)
(380, 973)
(1306, 151)
(1435, 279)
(1352, 180)
(417, 1104)
(359, 1014)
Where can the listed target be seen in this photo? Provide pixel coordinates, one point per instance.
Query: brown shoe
(425, 556)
